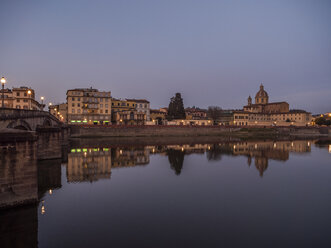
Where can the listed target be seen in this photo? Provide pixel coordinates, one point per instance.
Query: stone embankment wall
(141, 131)
(180, 131)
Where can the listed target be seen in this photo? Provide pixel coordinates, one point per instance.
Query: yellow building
(157, 116)
(263, 113)
(60, 111)
(190, 122)
(124, 112)
(89, 106)
(21, 98)
(88, 164)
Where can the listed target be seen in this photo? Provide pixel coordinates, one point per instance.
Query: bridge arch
(20, 124)
(47, 122)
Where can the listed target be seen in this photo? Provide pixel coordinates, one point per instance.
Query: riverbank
(194, 131)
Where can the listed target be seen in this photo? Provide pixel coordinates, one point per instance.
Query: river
(185, 194)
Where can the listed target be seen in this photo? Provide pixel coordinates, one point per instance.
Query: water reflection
(88, 165)
(94, 163)
(26, 179)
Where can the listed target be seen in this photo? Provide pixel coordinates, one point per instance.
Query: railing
(9, 114)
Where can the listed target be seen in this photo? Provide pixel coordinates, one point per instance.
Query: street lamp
(42, 102)
(3, 81)
(29, 93)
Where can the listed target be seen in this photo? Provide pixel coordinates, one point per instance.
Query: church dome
(261, 92)
(261, 96)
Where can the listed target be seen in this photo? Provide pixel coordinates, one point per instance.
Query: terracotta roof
(138, 100)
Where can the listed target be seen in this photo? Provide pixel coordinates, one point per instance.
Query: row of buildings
(260, 113)
(20, 98)
(94, 107)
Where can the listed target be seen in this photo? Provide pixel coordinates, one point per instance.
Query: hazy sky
(213, 52)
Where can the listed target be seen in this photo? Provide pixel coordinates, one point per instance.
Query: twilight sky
(213, 52)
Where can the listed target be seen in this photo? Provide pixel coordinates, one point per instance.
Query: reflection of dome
(261, 96)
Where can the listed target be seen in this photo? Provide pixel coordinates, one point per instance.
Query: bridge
(29, 120)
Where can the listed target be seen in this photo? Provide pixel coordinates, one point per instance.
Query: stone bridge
(29, 120)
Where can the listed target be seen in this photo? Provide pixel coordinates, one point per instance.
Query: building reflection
(129, 156)
(259, 152)
(264, 151)
(24, 179)
(88, 164)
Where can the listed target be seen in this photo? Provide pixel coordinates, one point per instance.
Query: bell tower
(249, 100)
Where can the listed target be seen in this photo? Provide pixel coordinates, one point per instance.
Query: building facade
(195, 114)
(60, 111)
(20, 98)
(124, 112)
(142, 106)
(263, 113)
(89, 106)
(157, 117)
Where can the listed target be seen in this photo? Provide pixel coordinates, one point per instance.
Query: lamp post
(3, 81)
(42, 102)
(29, 94)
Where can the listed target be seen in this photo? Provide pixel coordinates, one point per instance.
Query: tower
(249, 101)
(261, 96)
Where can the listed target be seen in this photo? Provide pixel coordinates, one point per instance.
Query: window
(106, 105)
(18, 100)
(25, 100)
(78, 99)
(73, 105)
(78, 111)
(18, 106)
(106, 111)
(25, 94)
(73, 98)
(101, 112)
(73, 111)
(101, 99)
(101, 105)
(112, 104)
(78, 104)
(17, 94)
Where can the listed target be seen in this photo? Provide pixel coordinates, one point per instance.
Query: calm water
(242, 194)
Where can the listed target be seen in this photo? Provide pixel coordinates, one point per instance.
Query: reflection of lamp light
(329, 148)
(43, 210)
(255, 146)
(308, 143)
(292, 144)
(275, 145)
(50, 191)
(182, 149)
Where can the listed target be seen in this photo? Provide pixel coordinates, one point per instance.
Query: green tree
(321, 121)
(176, 160)
(176, 108)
